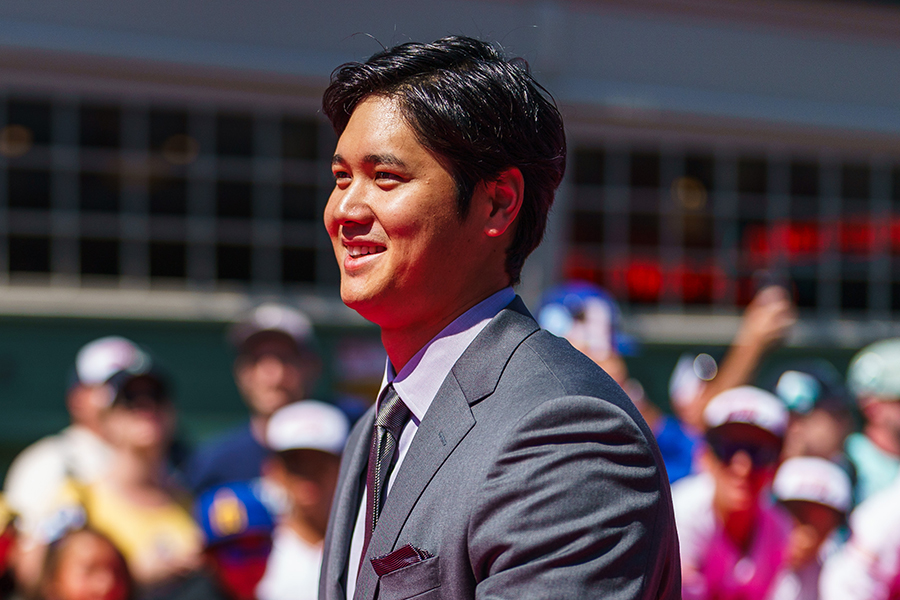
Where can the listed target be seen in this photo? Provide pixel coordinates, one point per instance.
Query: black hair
(476, 111)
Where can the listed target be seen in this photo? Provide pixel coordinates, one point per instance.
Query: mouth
(360, 251)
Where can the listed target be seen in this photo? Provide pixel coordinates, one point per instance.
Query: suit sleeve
(573, 507)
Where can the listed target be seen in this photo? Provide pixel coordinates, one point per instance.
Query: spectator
(821, 414)
(874, 378)
(732, 539)
(868, 566)
(307, 438)
(84, 565)
(589, 319)
(817, 493)
(137, 505)
(276, 365)
(80, 451)
(238, 530)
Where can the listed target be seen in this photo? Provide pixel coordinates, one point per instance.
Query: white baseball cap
(750, 405)
(813, 479)
(99, 360)
(308, 425)
(273, 317)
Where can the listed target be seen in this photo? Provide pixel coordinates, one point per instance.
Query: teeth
(364, 250)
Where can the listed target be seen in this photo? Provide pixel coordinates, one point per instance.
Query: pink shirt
(713, 567)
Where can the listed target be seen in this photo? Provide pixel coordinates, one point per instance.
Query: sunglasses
(761, 455)
(142, 397)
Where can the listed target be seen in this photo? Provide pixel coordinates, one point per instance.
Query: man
(520, 469)
(307, 439)
(821, 414)
(868, 566)
(874, 378)
(80, 451)
(275, 366)
(817, 493)
(733, 540)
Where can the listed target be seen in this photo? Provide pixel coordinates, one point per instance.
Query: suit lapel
(344, 513)
(448, 420)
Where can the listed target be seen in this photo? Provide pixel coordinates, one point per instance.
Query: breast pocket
(421, 580)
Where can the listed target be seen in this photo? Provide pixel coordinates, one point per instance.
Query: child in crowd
(84, 565)
(307, 439)
(238, 531)
(818, 494)
(733, 540)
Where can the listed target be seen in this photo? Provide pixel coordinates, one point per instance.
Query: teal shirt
(875, 468)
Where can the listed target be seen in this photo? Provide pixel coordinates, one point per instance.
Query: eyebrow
(373, 159)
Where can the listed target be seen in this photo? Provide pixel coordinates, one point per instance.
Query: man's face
(405, 257)
(142, 417)
(270, 373)
(742, 462)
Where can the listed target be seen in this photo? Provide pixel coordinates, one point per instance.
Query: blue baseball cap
(587, 310)
(232, 511)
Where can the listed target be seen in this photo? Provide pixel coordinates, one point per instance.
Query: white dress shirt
(417, 383)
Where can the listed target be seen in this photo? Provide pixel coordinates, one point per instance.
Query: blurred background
(164, 166)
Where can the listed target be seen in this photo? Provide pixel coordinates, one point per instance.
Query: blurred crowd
(783, 490)
(112, 508)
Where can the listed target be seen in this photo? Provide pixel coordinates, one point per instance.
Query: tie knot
(392, 414)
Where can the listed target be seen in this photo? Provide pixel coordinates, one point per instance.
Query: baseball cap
(308, 425)
(875, 371)
(97, 361)
(586, 311)
(748, 405)
(812, 384)
(123, 392)
(231, 511)
(273, 317)
(813, 479)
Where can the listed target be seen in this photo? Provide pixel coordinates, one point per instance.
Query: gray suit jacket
(532, 475)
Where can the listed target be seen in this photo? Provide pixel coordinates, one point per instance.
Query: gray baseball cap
(875, 371)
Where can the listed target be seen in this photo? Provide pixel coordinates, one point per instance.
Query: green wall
(37, 354)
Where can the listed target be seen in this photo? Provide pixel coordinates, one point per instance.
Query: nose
(741, 464)
(347, 206)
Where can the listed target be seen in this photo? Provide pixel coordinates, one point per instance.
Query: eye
(341, 177)
(385, 175)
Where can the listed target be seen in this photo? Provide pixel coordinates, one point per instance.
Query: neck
(311, 531)
(258, 425)
(134, 468)
(403, 342)
(739, 526)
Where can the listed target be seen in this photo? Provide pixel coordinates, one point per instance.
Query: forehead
(378, 132)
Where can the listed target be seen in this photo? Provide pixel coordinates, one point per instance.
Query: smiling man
(498, 462)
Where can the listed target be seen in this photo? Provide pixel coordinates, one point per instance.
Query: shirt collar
(418, 381)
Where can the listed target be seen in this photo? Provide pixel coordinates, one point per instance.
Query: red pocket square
(399, 558)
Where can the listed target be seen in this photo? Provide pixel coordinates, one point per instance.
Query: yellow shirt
(157, 541)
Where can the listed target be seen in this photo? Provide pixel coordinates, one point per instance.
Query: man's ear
(505, 194)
